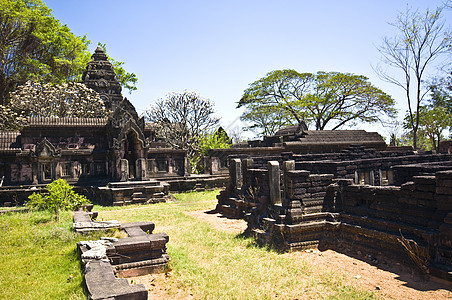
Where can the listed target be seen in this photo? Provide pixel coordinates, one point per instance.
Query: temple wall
(327, 210)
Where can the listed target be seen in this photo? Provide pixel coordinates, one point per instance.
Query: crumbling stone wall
(327, 210)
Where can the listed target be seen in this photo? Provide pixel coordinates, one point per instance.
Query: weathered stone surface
(274, 181)
(96, 249)
(101, 283)
(82, 222)
(139, 254)
(369, 216)
(235, 173)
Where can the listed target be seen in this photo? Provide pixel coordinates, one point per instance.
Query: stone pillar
(35, 171)
(247, 164)
(76, 169)
(151, 166)
(214, 165)
(235, 173)
(124, 169)
(141, 169)
(274, 182)
(390, 175)
(296, 182)
(186, 167)
(288, 165)
(170, 163)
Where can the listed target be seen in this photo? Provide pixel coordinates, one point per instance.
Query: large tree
(36, 46)
(323, 99)
(441, 92)
(266, 119)
(182, 119)
(422, 38)
(271, 102)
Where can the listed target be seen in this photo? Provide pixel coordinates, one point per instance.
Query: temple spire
(101, 77)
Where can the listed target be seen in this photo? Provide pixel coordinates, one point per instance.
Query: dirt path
(387, 278)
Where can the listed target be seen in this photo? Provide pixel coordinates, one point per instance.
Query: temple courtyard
(209, 259)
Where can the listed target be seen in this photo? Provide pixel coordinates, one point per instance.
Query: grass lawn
(38, 258)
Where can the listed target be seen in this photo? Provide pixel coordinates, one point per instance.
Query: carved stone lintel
(45, 150)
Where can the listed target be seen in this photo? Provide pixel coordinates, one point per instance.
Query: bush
(60, 196)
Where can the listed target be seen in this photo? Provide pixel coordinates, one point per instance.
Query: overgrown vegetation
(186, 121)
(36, 47)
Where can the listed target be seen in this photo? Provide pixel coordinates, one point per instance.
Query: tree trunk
(415, 138)
(58, 213)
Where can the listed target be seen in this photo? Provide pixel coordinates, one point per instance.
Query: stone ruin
(116, 160)
(396, 203)
(107, 262)
(296, 141)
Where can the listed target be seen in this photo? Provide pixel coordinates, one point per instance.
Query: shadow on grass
(252, 243)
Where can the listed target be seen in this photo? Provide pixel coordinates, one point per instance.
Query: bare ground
(387, 278)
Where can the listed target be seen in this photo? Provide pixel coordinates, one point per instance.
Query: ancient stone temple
(120, 147)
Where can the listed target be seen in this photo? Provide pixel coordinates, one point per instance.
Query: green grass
(38, 259)
(211, 264)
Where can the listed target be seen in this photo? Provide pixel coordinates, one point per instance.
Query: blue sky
(217, 48)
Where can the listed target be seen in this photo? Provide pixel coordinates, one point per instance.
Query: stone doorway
(132, 150)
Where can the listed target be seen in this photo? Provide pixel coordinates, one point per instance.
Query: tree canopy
(36, 46)
(433, 121)
(333, 99)
(182, 119)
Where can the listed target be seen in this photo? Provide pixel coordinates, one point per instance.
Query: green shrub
(60, 196)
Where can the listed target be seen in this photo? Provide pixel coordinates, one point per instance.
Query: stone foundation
(122, 193)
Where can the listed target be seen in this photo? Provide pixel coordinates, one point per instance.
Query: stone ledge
(102, 283)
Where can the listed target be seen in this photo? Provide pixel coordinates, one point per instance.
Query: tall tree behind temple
(421, 39)
(333, 99)
(35, 46)
(182, 119)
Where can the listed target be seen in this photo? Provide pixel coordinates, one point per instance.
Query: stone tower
(101, 77)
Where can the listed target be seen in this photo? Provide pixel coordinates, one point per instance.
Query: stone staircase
(137, 192)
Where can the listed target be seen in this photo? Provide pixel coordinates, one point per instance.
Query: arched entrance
(132, 150)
